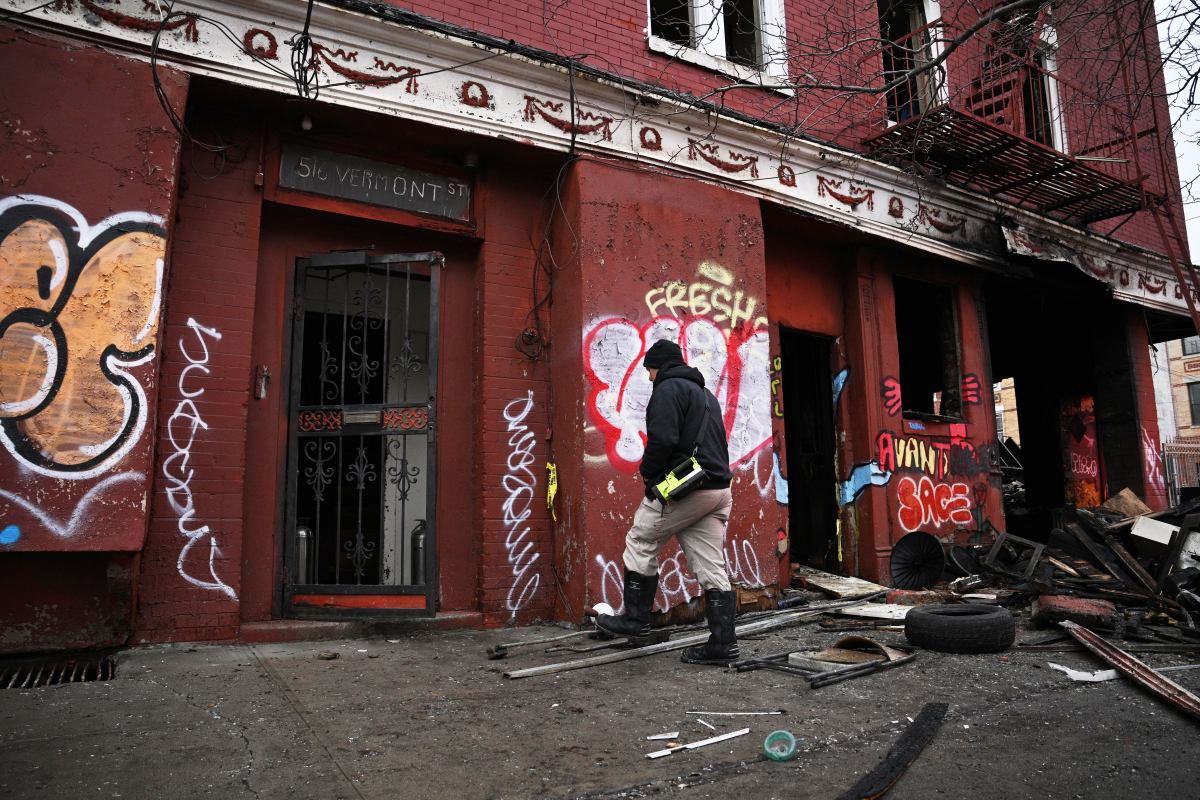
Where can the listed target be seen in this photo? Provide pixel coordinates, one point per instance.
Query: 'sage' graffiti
(520, 488)
(79, 308)
(181, 430)
(924, 502)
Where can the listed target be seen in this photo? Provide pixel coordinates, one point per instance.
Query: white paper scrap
(701, 743)
(671, 735)
(1089, 677)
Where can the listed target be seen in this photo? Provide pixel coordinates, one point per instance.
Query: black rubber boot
(721, 649)
(634, 622)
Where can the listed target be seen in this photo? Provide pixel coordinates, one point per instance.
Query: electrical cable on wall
(304, 60)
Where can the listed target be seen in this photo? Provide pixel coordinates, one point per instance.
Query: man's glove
(650, 492)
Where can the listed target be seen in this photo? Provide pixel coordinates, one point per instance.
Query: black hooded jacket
(673, 419)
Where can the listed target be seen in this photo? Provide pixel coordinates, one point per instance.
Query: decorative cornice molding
(381, 66)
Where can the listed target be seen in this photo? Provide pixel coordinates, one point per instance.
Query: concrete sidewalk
(428, 716)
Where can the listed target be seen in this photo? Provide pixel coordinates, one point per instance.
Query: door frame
(325, 600)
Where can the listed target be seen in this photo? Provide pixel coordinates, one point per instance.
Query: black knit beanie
(661, 354)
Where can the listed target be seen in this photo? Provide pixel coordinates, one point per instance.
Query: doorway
(361, 453)
(808, 416)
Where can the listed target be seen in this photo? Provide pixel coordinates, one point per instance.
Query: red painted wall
(656, 257)
(87, 188)
(827, 43)
(513, 392)
(1154, 490)
(804, 283)
(191, 579)
(907, 474)
(234, 258)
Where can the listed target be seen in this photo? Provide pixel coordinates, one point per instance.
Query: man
(680, 416)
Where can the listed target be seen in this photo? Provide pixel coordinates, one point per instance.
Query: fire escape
(1019, 131)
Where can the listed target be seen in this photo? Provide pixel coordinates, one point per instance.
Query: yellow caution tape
(551, 488)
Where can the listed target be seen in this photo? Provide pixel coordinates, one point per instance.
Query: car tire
(961, 628)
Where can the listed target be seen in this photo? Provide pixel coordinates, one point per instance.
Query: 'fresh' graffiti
(728, 344)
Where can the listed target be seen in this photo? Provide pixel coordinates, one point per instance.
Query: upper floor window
(908, 29)
(742, 38)
(1191, 345)
(1040, 98)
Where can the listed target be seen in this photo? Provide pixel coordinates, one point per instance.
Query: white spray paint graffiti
(181, 428)
(719, 334)
(520, 488)
(68, 529)
(675, 584)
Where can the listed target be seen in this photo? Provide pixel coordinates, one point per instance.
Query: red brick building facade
(375, 353)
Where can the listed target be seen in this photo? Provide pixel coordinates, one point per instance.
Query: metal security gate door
(361, 471)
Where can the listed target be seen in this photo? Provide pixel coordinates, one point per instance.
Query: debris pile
(1118, 568)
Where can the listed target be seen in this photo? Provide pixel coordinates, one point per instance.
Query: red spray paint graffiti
(926, 503)
(735, 364)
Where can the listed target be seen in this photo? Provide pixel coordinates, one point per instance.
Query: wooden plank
(1097, 552)
(1132, 564)
(877, 611)
(916, 736)
(835, 585)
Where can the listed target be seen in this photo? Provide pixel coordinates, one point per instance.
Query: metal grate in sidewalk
(77, 668)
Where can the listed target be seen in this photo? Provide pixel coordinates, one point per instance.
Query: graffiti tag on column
(924, 502)
(731, 308)
(79, 307)
(181, 430)
(719, 334)
(1155, 482)
(890, 392)
(776, 383)
(520, 488)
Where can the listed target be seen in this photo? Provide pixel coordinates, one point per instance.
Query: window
(1040, 103)
(742, 38)
(1191, 345)
(927, 336)
(1194, 401)
(910, 29)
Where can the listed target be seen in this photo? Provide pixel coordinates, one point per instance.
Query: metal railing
(1181, 462)
(1018, 91)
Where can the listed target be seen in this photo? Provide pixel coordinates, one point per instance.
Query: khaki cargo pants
(697, 520)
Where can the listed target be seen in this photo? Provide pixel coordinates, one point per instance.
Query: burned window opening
(927, 339)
